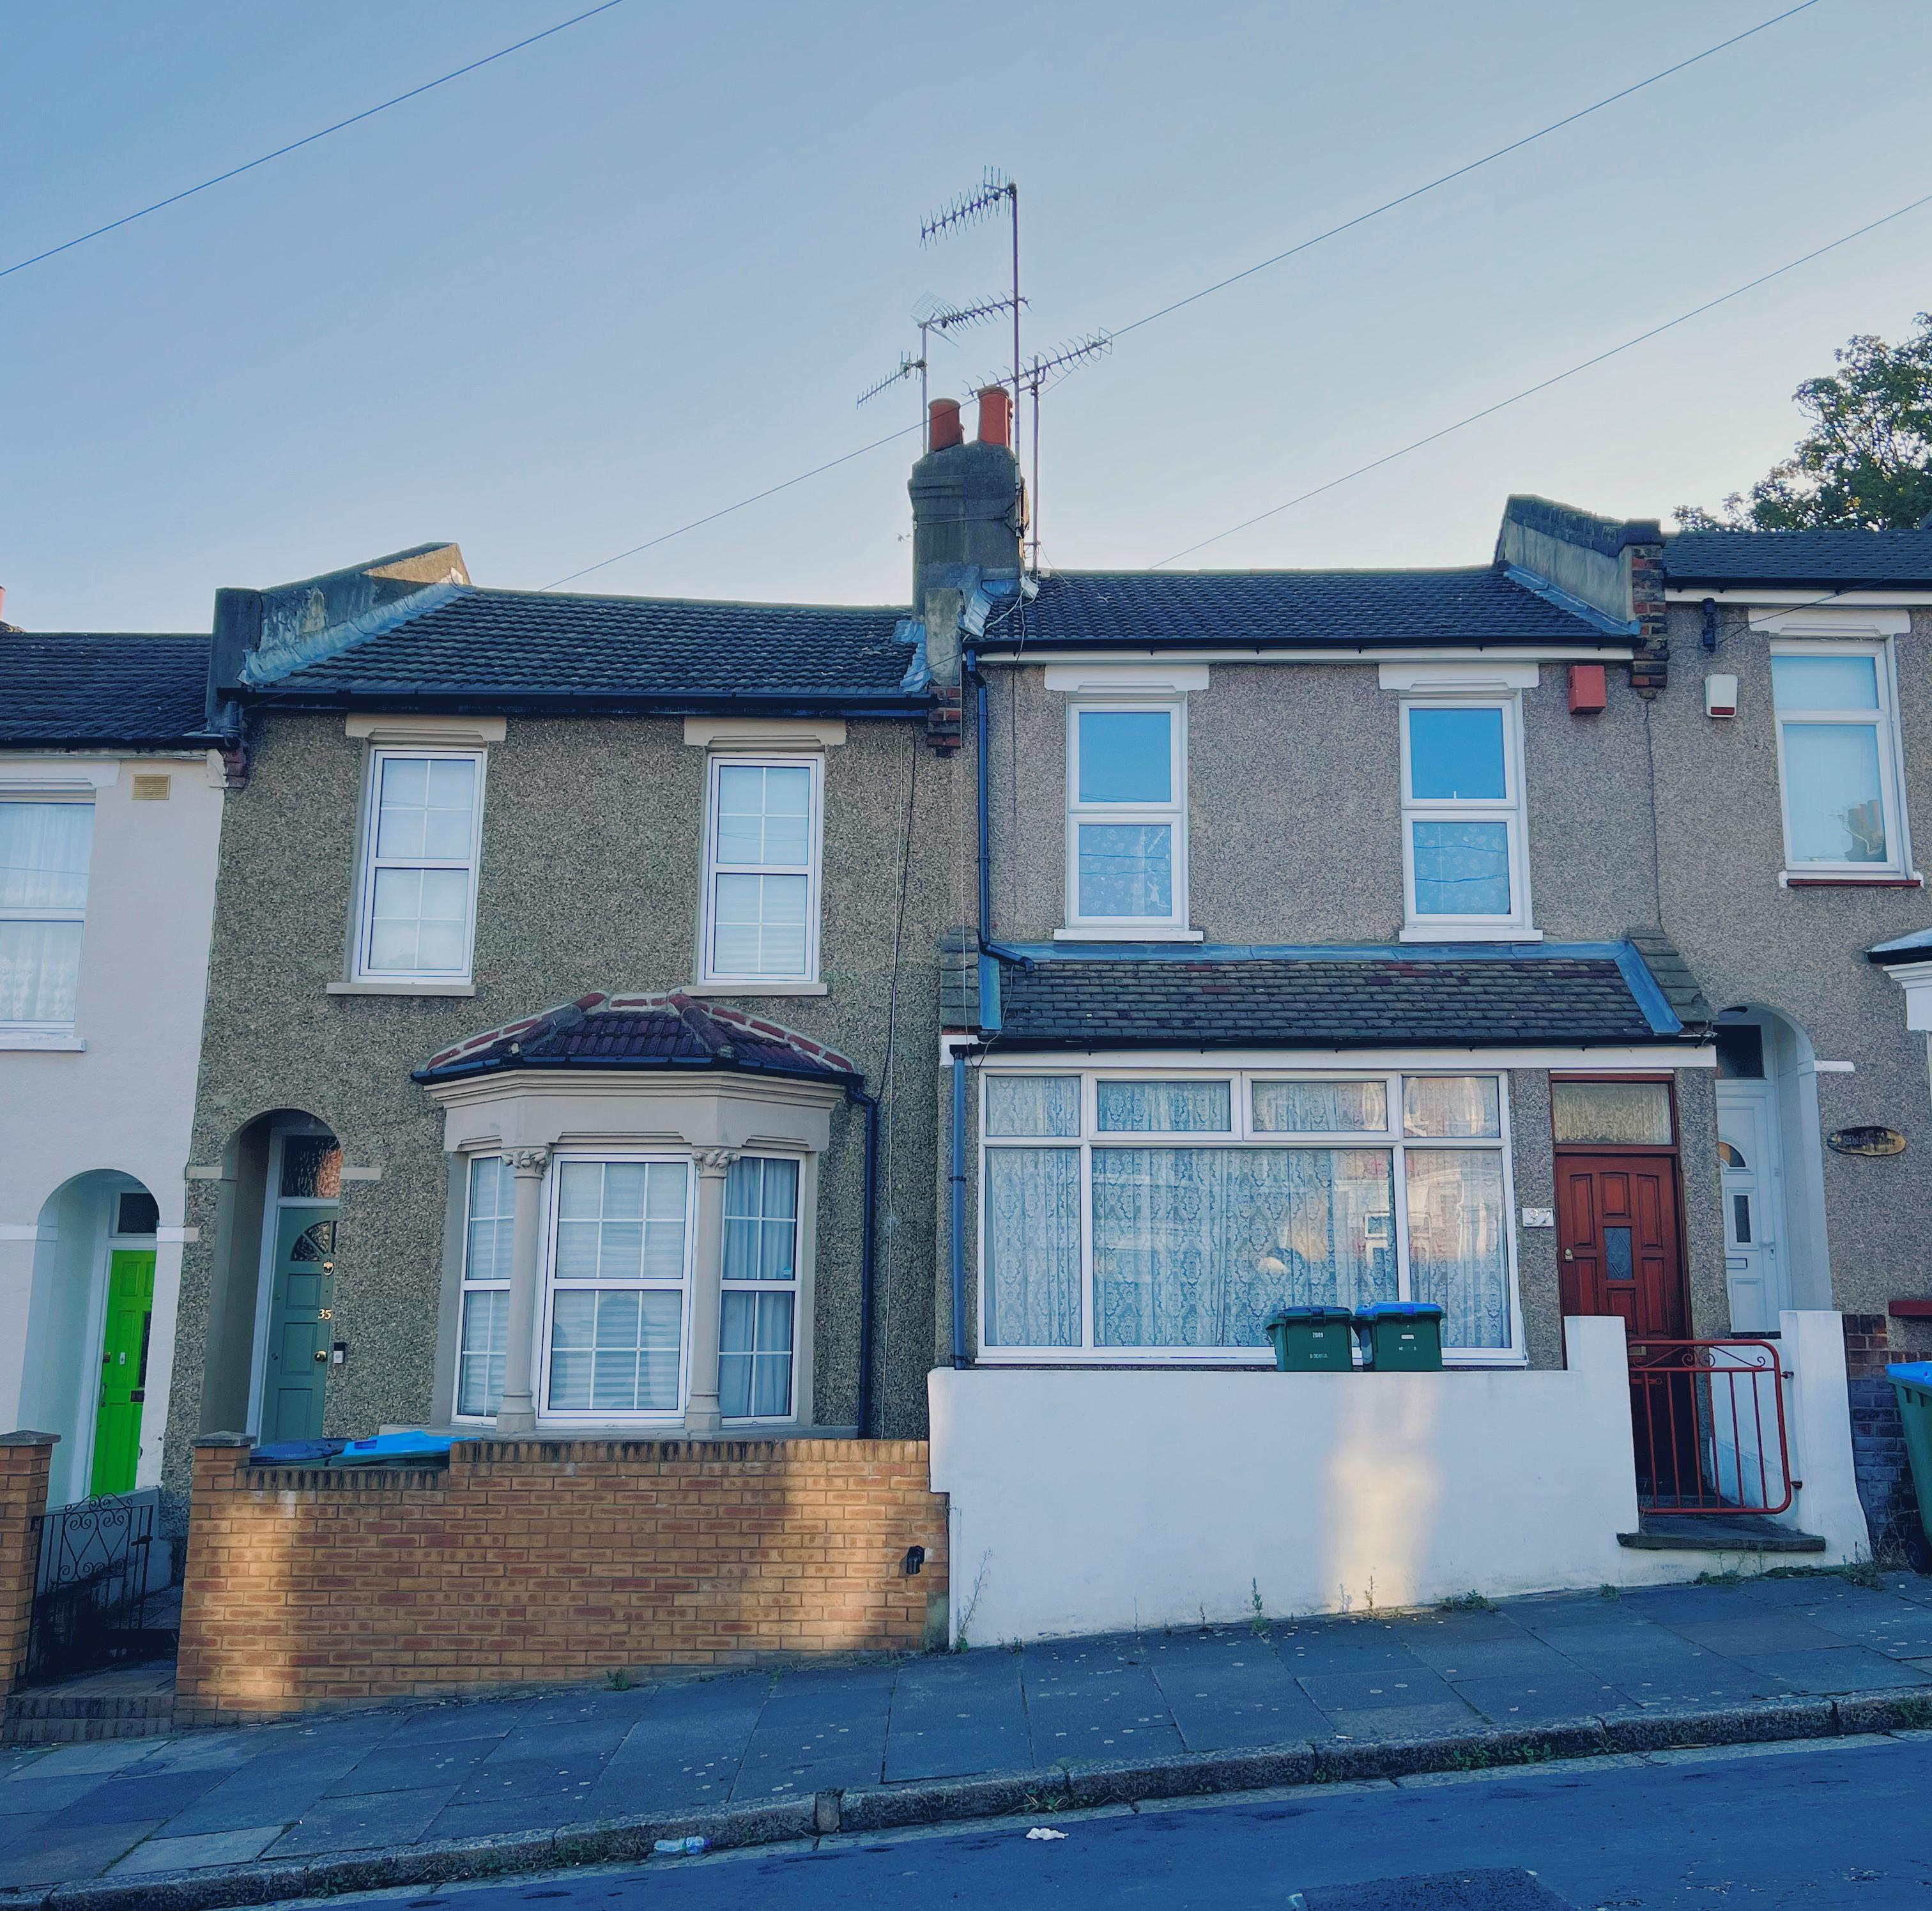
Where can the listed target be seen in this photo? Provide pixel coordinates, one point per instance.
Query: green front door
(123, 1369)
(300, 1324)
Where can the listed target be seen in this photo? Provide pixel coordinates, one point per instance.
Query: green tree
(1866, 464)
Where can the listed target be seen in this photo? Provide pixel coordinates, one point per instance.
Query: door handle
(322, 1353)
(1567, 1256)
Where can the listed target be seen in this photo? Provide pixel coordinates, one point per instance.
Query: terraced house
(857, 1084)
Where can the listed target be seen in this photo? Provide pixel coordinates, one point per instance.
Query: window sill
(1128, 932)
(49, 1040)
(762, 987)
(430, 989)
(1792, 879)
(1467, 932)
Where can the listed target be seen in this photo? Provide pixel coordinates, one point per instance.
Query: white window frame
(795, 1287)
(1243, 1133)
(1891, 754)
(1510, 809)
(26, 1034)
(467, 1284)
(709, 972)
(369, 863)
(1173, 813)
(541, 1350)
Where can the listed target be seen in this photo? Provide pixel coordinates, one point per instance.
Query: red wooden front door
(1617, 1234)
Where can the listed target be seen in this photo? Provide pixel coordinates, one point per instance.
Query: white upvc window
(757, 1321)
(1838, 759)
(484, 1334)
(1161, 1215)
(1464, 851)
(762, 847)
(45, 848)
(617, 1273)
(1126, 816)
(421, 841)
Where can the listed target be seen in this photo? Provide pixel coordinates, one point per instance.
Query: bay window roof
(661, 1032)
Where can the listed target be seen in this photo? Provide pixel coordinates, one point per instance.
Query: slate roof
(89, 690)
(598, 1031)
(1916, 947)
(1295, 608)
(1879, 559)
(541, 643)
(1342, 998)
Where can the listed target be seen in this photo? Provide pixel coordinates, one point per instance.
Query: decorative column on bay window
(517, 1413)
(701, 1413)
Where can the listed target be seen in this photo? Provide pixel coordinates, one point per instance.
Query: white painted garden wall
(1092, 1501)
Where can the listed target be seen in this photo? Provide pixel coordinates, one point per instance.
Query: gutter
(520, 700)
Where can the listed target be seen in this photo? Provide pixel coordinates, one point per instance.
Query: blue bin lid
(1914, 1373)
(397, 1446)
(1320, 1316)
(1400, 1310)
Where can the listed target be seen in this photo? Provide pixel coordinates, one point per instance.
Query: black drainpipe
(868, 1252)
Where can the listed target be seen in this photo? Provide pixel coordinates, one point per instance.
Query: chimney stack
(996, 415)
(943, 429)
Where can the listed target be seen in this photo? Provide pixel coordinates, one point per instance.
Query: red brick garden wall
(538, 1560)
(25, 1461)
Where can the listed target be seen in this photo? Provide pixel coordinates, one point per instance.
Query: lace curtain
(1029, 1104)
(1033, 1248)
(1163, 1107)
(1455, 1251)
(1195, 1247)
(1315, 1108)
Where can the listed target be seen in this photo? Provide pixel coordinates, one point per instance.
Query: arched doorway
(272, 1331)
(1772, 1159)
(90, 1333)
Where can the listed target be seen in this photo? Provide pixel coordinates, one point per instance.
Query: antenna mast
(995, 190)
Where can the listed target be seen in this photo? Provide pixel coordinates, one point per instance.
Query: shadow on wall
(1385, 1487)
(283, 1163)
(89, 1332)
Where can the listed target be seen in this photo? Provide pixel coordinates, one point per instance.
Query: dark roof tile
(92, 690)
(1878, 559)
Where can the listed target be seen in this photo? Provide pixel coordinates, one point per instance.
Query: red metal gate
(1707, 1417)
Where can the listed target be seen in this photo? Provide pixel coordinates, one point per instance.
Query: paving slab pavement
(1355, 1694)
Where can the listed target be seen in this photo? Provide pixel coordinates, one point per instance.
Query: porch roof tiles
(102, 690)
(1579, 995)
(673, 1031)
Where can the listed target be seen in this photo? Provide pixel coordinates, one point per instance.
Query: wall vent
(150, 788)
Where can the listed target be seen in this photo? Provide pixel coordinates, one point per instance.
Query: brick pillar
(1650, 667)
(1880, 1461)
(219, 1462)
(25, 1460)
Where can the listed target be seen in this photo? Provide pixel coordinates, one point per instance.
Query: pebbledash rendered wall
(592, 858)
(541, 1560)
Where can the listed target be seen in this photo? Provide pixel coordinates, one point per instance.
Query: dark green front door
(301, 1323)
(123, 1369)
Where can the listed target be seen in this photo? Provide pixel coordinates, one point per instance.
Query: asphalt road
(1762, 1827)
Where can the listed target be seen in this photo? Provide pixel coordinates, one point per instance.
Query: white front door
(1754, 1188)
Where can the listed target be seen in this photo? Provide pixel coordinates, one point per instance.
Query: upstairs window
(1838, 753)
(421, 843)
(45, 851)
(1463, 853)
(761, 874)
(1126, 824)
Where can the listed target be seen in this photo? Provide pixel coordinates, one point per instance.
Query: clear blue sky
(642, 269)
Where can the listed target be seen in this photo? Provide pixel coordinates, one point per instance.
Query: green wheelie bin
(1313, 1339)
(1912, 1381)
(1402, 1336)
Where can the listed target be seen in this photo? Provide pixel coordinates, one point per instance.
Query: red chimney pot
(943, 429)
(996, 415)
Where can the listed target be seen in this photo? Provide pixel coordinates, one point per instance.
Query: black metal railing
(103, 1580)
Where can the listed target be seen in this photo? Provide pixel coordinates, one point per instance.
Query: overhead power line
(1543, 384)
(1260, 265)
(308, 140)
(1461, 171)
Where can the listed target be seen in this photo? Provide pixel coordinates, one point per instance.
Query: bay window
(1463, 853)
(1166, 1216)
(757, 1317)
(1837, 750)
(618, 1266)
(45, 848)
(1127, 819)
(483, 1335)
